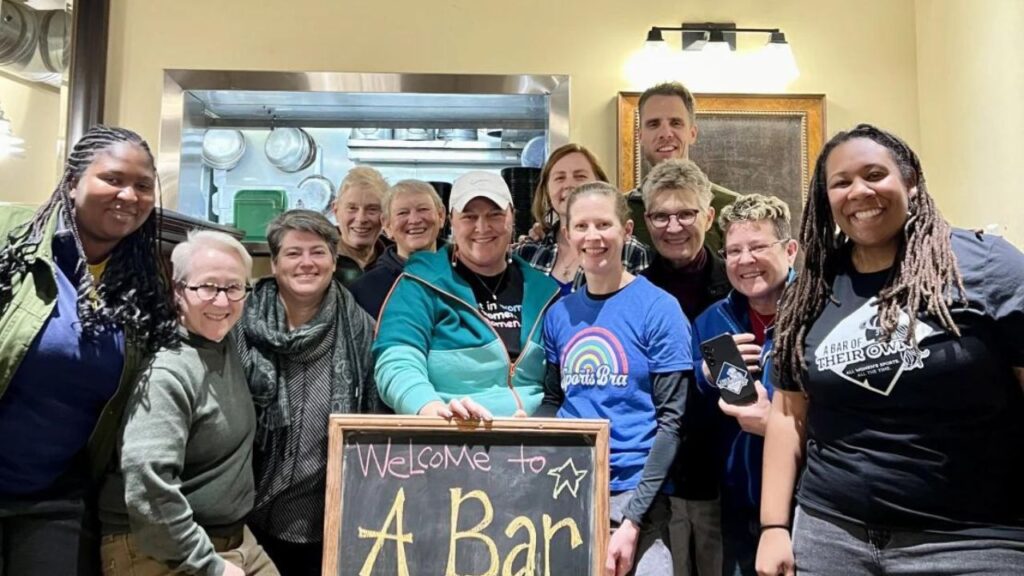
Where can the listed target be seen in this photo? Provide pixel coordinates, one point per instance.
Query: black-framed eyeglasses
(683, 218)
(757, 251)
(208, 292)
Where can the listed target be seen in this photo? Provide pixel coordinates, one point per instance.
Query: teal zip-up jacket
(33, 300)
(433, 344)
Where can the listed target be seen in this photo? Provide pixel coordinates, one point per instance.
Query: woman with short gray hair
(177, 501)
(305, 345)
(412, 215)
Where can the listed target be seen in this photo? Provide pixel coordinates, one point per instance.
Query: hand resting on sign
(461, 408)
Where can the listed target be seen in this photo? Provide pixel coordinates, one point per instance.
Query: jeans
(53, 536)
(53, 532)
(827, 546)
(652, 557)
(699, 520)
(740, 535)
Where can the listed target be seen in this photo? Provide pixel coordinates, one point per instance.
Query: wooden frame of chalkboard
(763, 143)
(372, 457)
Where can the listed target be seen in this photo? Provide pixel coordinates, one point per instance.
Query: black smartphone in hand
(728, 370)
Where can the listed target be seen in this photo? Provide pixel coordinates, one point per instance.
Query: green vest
(32, 302)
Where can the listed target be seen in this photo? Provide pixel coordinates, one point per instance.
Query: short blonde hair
(366, 177)
(754, 208)
(677, 174)
(605, 190)
(408, 187)
(181, 256)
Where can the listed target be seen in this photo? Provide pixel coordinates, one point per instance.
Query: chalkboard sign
(409, 496)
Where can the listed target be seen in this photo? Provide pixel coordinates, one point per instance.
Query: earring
(508, 254)
(455, 254)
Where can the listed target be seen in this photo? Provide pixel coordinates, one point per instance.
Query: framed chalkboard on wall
(748, 143)
(412, 496)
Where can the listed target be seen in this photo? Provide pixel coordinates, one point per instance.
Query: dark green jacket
(32, 302)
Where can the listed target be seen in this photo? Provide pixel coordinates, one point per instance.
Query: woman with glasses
(178, 501)
(619, 349)
(567, 167)
(759, 255)
(677, 200)
(305, 345)
(83, 306)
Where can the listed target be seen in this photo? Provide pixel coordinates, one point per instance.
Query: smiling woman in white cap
(459, 335)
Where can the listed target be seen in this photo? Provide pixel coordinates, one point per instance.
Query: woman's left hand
(621, 549)
(467, 409)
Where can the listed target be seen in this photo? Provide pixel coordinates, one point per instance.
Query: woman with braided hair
(83, 302)
(899, 373)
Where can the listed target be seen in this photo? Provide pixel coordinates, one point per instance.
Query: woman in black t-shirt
(900, 366)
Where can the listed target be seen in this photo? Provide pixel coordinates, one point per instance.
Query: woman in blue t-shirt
(899, 364)
(620, 350)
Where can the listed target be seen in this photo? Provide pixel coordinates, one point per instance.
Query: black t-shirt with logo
(499, 299)
(931, 439)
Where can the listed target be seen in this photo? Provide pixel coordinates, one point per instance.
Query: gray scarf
(265, 341)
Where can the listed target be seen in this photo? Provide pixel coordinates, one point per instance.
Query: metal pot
(372, 134)
(290, 149)
(314, 192)
(223, 148)
(459, 134)
(414, 134)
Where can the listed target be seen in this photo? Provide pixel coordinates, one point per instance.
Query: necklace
(497, 285)
(766, 321)
(570, 264)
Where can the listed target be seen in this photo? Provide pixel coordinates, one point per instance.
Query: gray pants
(701, 521)
(653, 557)
(828, 546)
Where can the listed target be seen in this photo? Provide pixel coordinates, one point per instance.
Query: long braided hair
(923, 276)
(133, 293)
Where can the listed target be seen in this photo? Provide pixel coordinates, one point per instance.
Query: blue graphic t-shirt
(606, 351)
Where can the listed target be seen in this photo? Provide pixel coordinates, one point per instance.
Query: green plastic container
(254, 209)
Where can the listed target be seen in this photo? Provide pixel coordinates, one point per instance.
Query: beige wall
(34, 112)
(867, 74)
(971, 79)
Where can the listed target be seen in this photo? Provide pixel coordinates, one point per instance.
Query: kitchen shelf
(434, 152)
(437, 144)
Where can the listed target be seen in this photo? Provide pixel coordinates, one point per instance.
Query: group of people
(161, 422)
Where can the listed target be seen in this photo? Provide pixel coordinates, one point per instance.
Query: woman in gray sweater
(178, 503)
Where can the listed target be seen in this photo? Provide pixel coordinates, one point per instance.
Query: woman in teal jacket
(460, 333)
(82, 303)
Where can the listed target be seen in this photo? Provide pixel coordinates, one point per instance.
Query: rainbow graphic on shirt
(594, 357)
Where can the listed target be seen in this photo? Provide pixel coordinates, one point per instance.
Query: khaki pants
(121, 556)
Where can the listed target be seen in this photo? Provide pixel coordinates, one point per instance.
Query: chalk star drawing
(572, 482)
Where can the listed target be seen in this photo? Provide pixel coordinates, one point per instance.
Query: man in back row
(668, 127)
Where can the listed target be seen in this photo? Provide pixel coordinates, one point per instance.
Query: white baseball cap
(479, 184)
